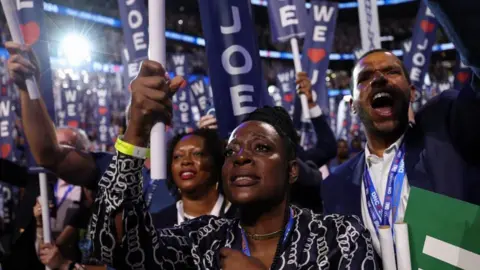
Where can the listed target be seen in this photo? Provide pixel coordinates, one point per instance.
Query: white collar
(394, 146)
(181, 215)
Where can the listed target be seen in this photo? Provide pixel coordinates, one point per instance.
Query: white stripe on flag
(451, 254)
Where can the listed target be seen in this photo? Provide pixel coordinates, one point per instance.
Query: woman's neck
(202, 205)
(263, 220)
(266, 220)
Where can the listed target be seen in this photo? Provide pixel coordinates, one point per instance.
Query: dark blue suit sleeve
(306, 191)
(461, 20)
(326, 147)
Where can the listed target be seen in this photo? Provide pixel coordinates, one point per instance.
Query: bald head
(73, 137)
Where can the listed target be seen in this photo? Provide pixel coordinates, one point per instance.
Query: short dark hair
(279, 118)
(404, 69)
(214, 146)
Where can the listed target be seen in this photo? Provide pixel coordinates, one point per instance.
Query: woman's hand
(231, 259)
(37, 213)
(152, 93)
(50, 256)
(208, 121)
(305, 87)
(20, 67)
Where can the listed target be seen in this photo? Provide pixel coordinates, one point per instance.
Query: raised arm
(73, 166)
(121, 228)
(326, 146)
(459, 19)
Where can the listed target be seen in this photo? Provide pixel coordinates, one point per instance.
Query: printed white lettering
(198, 88)
(288, 16)
(236, 70)
(237, 25)
(238, 98)
(135, 19)
(71, 95)
(415, 74)
(319, 33)
(323, 13)
(314, 77)
(133, 69)
(4, 108)
(71, 110)
(139, 41)
(4, 130)
(24, 4)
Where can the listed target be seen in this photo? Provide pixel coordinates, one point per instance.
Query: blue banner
(418, 51)
(35, 34)
(286, 84)
(201, 95)
(103, 117)
(71, 105)
(287, 19)
(234, 64)
(134, 21)
(318, 45)
(7, 121)
(463, 75)
(182, 110)
(332, 102)
(178, 64)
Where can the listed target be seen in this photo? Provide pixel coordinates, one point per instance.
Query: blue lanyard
(150, 189)
(380, 214)
(288, 228)
(69, 190)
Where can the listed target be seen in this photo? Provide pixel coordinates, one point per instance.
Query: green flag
(444, 233)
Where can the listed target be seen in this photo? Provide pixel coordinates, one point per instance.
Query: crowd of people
(254, 200)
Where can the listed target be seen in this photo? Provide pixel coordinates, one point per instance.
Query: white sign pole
(156, 25)
(298, 68)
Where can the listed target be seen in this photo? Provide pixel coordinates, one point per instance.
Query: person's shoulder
(345, 168)
(436, 105)
(333, 221)
(205, 226)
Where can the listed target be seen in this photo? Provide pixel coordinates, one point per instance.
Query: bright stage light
(76, 49)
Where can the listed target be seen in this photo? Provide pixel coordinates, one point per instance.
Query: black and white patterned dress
(315, 242)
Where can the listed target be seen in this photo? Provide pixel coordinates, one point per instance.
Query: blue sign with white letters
(287, 19)
(134, 22)
(234, 63)
(417, 52)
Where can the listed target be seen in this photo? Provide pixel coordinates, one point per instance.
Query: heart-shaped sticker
(463, 76)
(427, 26)
(102, 110)
(288, 97)
(316, 55)
(73, 123)
(6, 149)
(31, 32)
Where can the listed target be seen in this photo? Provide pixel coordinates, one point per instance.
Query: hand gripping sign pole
(303, 98)
(10, 11)
(156, 25)
(298, 68)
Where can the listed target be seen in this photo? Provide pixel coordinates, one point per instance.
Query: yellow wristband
(131, 150)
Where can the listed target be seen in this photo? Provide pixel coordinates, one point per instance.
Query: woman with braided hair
(259, 168)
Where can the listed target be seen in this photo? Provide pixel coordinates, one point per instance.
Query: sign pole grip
(298, 68)
(14, 26)
(156, 25)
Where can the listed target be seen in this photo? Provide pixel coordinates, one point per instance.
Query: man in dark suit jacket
(441, 148)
